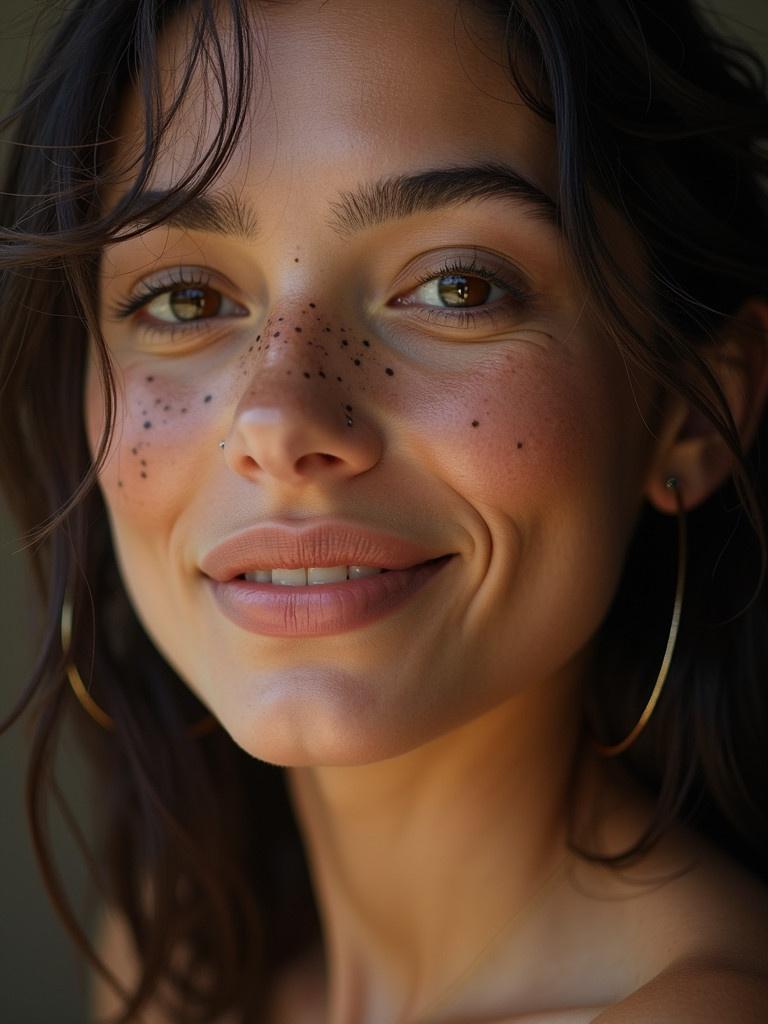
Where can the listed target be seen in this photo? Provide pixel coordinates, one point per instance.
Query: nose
(297, 425)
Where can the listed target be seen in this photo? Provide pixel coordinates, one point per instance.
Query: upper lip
(326, 543)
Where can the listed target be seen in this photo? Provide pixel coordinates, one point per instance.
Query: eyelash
(466, 318)
(463, 318)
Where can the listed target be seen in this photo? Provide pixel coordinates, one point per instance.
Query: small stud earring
(221, 444)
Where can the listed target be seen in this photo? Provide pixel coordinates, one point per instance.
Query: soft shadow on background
(41, 978)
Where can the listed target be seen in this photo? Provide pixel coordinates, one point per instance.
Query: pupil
(194, 303)
(459, 289)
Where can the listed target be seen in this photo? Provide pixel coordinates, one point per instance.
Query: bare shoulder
(696, 993)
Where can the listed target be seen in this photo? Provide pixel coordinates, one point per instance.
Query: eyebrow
(389, 198)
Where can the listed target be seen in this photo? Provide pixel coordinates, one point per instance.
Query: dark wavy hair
(654, 111)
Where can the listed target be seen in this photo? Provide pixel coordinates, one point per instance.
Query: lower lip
(321, 609)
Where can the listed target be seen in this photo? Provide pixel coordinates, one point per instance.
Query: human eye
(178, 300)
(465, 292)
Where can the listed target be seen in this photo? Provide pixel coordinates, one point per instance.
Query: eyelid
(169, 280)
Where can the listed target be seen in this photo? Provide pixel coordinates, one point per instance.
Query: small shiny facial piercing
(221, 444)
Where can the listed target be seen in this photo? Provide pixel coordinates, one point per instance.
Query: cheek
(519, 423)
(161, 428)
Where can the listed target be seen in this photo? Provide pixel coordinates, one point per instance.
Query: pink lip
(326, 542)
(320, 609)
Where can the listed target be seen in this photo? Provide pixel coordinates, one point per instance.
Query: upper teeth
(303, 577)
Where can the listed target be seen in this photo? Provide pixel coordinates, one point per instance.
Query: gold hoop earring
(98, 714)
(611, 750)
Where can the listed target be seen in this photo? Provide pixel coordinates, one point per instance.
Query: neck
(418, 860)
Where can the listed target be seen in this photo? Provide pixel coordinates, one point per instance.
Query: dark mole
(339, 379)
(389, 372)
(295, 259)
(119, 483)
(144, 474)
(251, 349)
(280, 319)
(276, 334)
(306, 374)
(474, 423)
(297, 329)
(258, 338)
(366, 343)
(519, 444)
(321, 374)
(134, 451)
(344, 342)
(147, 424)
(143, 462)
(208, 398)
(343, 330)
(357, 362)
(150, 379)
(327, 330)
(312, 305)
(348, 408)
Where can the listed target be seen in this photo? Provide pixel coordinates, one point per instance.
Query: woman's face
(426, 369)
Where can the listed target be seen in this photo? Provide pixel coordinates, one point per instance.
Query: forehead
(345, 87)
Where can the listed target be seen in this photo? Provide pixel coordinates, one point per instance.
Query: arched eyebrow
(388, 198)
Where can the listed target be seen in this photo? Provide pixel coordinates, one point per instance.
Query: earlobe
(690, 447)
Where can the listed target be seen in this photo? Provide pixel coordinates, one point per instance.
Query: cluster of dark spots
(519, 444)
(366, 343)
(208, 398)
(475, 423)
(389, 372)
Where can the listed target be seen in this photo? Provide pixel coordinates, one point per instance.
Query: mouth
(324, 576)
(321, 608)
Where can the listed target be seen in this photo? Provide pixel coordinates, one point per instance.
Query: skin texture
(521, 445)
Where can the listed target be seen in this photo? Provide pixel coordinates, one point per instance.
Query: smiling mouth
(324, 576)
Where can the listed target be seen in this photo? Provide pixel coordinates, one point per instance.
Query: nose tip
(299, 438)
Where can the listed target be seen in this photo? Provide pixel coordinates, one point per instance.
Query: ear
(688, 446)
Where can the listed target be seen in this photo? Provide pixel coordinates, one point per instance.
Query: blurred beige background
(41, 981)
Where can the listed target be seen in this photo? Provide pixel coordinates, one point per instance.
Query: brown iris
(194, 302)
(463, 290)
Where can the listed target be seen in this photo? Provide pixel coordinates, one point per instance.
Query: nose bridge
(298, 414)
